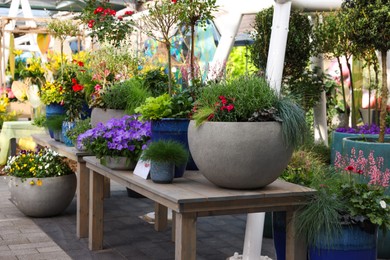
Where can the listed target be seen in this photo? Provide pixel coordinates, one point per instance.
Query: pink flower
(97, 87)
(230, 107)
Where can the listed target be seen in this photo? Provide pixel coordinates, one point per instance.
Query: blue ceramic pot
(174, 129)
(54, 109)
(66, 126)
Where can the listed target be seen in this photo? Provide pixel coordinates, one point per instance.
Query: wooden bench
(190, 197)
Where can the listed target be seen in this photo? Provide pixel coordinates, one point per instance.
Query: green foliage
(306, 162)
(155, 108)
(39, 121)
(156, 81)
(298, 48)
(196, 11)
(293, 122)
(80, 127)
(166, 151)
(240, 62)
(55, 122)
(63, 28)
(104, 24)
(250, 94)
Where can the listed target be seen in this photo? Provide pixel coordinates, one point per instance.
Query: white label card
(142, 169)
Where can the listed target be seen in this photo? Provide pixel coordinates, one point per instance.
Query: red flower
(174, 1)
(129, 13)
(98, 10)
(80, 63)
(77, 88)
(230, 107)
(211, 116)
(91, 23)
(120, 18)
(222, 98)
(74, 81)
(349, 168)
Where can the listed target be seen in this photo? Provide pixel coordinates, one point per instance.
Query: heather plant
(126, 137)
(363, 129)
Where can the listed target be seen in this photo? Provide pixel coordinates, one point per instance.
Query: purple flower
(364, 129)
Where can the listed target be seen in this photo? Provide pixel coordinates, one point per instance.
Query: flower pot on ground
(350, 199)
(164, 155)
(243, 135)
(41, 183)
(124, 137)
(340, 133)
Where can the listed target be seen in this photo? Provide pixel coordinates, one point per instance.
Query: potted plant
(41, 182)
(243, 133)
(118, 143)
(341, 220)
(54, 125)
(120, 99)
(169, 116)
(81, 127)
(164, 156)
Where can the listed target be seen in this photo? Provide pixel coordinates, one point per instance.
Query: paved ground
(126, 234)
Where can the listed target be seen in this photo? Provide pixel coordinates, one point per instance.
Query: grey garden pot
(49, 199)
(239, 155)
(103, 115)
(162, 172)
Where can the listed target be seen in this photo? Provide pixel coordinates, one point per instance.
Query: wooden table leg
(107, 187)
(96, 200)
(295, 246)
(173, 226)
(160, 217)
(185, 238)
(82, 200)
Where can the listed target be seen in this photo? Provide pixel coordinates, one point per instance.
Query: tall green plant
(369, 21)
(161, 24)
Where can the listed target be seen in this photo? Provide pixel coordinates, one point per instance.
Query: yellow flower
(17, 52)
(32, 183)
(39, 182)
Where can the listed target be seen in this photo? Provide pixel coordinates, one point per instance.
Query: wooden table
(190, 197)
(82, 190)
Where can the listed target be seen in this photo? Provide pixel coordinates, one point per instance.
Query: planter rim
(34, 178)
(171, 119)
(363, 139)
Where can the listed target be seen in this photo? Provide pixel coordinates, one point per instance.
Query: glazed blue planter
(353, 243)
(383, 244)
(279, 233)
(174, 129)
(337, 143)
(368, 144)
(54, 109)
(66, 126)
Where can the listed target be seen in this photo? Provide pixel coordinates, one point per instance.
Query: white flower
(383, 204)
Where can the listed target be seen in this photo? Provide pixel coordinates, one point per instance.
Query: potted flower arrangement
(119, 99)
(170, 118)
(81, 127)
(243, 133)
(350, 201)
(41, 182)
(164, 156)
(118, 143)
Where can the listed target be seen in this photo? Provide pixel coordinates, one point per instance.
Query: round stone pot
(162, 172)
(239, 155)
(50, 198)
(103, 115)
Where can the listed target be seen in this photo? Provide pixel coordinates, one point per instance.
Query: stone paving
(126, 234)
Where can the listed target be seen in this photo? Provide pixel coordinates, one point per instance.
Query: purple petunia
(126, 136)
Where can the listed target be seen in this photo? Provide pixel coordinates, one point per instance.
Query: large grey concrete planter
(50, 199)
(103, 115)
(239, 155)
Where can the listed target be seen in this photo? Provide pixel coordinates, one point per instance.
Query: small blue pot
(66, 126)
(162, 172)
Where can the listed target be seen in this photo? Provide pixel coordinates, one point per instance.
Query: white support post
(278, 42)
